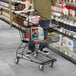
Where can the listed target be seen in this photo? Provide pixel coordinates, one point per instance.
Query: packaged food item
(33, 20)
(37, 34)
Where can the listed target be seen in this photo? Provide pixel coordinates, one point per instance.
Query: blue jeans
(32, 46)
(45, 25)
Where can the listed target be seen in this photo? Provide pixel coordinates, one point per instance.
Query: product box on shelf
(5, 13)
(4, 4)
(72, 11)
(67, 43)
(67, 1)
(59, 38)
(56, 9)
(19, 6)
(65, 9)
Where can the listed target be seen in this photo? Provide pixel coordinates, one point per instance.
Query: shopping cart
(38, 57)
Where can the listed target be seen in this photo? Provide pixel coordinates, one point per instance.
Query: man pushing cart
(34, 36)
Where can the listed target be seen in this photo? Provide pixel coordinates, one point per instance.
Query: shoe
(45, 52)
(29, 53)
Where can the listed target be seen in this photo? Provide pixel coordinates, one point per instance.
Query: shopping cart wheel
(17, 60)
(41, 67)
(36, 55)
(51, 64)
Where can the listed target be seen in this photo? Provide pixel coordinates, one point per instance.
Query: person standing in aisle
(44, 8)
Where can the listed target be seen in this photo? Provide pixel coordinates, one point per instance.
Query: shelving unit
(5, 10)
(7, 7)
(65, 19)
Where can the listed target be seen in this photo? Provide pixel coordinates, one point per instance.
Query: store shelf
(5, 6)
(64, 50)
(19, 2)
(56, 50)
(71, 17)
(5, 18)
(66, 30)
(56, 30)
(69, 3)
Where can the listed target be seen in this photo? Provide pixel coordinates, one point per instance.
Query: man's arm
(58, 4)
(27, 6)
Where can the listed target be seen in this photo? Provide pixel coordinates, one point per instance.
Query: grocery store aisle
(9, 41)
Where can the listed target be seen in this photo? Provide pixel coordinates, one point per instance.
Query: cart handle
(18, 12)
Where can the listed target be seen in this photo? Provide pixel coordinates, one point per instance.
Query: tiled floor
(9, 41)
